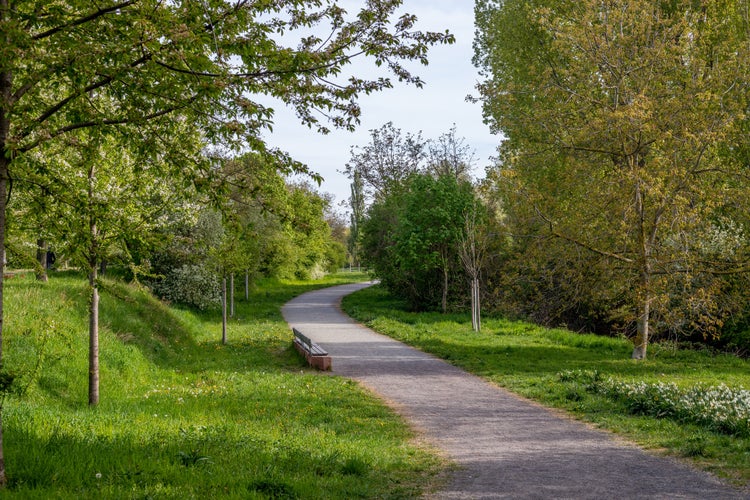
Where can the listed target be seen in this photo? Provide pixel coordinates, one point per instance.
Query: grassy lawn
(558, 368)
(183, 416)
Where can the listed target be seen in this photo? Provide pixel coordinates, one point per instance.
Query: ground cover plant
(182, 415)
(686, 403)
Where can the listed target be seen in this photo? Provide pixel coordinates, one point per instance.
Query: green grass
(183, 416)
(527, 359)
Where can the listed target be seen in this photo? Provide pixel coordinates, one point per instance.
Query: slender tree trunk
(444, 301)
(642, 326)
(224, 310)
(231, 295)
(473, 308)
(479, 307)
(247, 286)
(93, 335)
(6, 83)
(476, 322)
(41, 258)
(641, 338)
(93, 262)
(4, 164)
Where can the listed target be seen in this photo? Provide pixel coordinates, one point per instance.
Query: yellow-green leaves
(615, 117)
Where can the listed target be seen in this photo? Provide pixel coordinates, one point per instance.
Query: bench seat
(315, 355)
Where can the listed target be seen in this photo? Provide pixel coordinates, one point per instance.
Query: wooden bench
(315, 355)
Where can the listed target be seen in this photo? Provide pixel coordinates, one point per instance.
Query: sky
(431, 110)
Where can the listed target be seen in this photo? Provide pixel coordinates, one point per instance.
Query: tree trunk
(231, 295)
(41, 258)
(642, 333)
(4, 164)
(93, 336)
(641, 338)
(6, 82)
(224, 310)
(476, 321)
(444, 301)
(93, 262)
(247, 286)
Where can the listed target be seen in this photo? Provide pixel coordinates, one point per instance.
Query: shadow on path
(506, 447)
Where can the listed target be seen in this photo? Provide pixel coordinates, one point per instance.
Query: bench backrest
(303, 338)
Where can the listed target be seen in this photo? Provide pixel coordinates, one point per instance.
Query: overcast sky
(433, 110)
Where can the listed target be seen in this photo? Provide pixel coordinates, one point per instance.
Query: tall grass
(533, 361)
(181, 414)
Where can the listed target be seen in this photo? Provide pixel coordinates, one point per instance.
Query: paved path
(506, 447)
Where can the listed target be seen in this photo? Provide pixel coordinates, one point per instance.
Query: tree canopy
(618, 117)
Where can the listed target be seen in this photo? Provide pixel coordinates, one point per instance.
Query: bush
(191, 285)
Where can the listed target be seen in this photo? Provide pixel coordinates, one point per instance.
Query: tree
(61, 65)
(431, 227)
(387, 161)
(473, 245)
(411, 239)
(308, 230)
(450, 155)
(615, 113)
(357, 204)
(118, 198)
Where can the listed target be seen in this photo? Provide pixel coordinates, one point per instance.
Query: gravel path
(505, 446)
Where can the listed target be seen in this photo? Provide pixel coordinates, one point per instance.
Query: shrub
(192, 285)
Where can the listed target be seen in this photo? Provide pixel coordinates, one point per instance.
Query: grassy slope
(183, 416)
(526, 359)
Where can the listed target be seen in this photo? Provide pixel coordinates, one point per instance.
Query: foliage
(191, 285)
(308, 231)
(387, 161)
(411, 240)
(616, 117)
(528, 359)
(187, 417)
(265, 227)
(428, 237)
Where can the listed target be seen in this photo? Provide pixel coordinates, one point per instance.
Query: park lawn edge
(527, 360)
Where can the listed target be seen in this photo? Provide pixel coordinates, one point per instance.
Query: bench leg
(323, 363)
(320, 362)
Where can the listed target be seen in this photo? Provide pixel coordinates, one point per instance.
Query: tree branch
(94, 123)
(57, 107)
(83, 20)
(580, 243)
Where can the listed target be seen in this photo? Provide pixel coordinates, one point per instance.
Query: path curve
(506, 447)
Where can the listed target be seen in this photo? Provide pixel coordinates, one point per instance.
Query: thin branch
(580, 243)
(83, 20)
(96, 85)
(261, 74)
(94, 123)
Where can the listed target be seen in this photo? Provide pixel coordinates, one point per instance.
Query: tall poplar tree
(615, 115)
